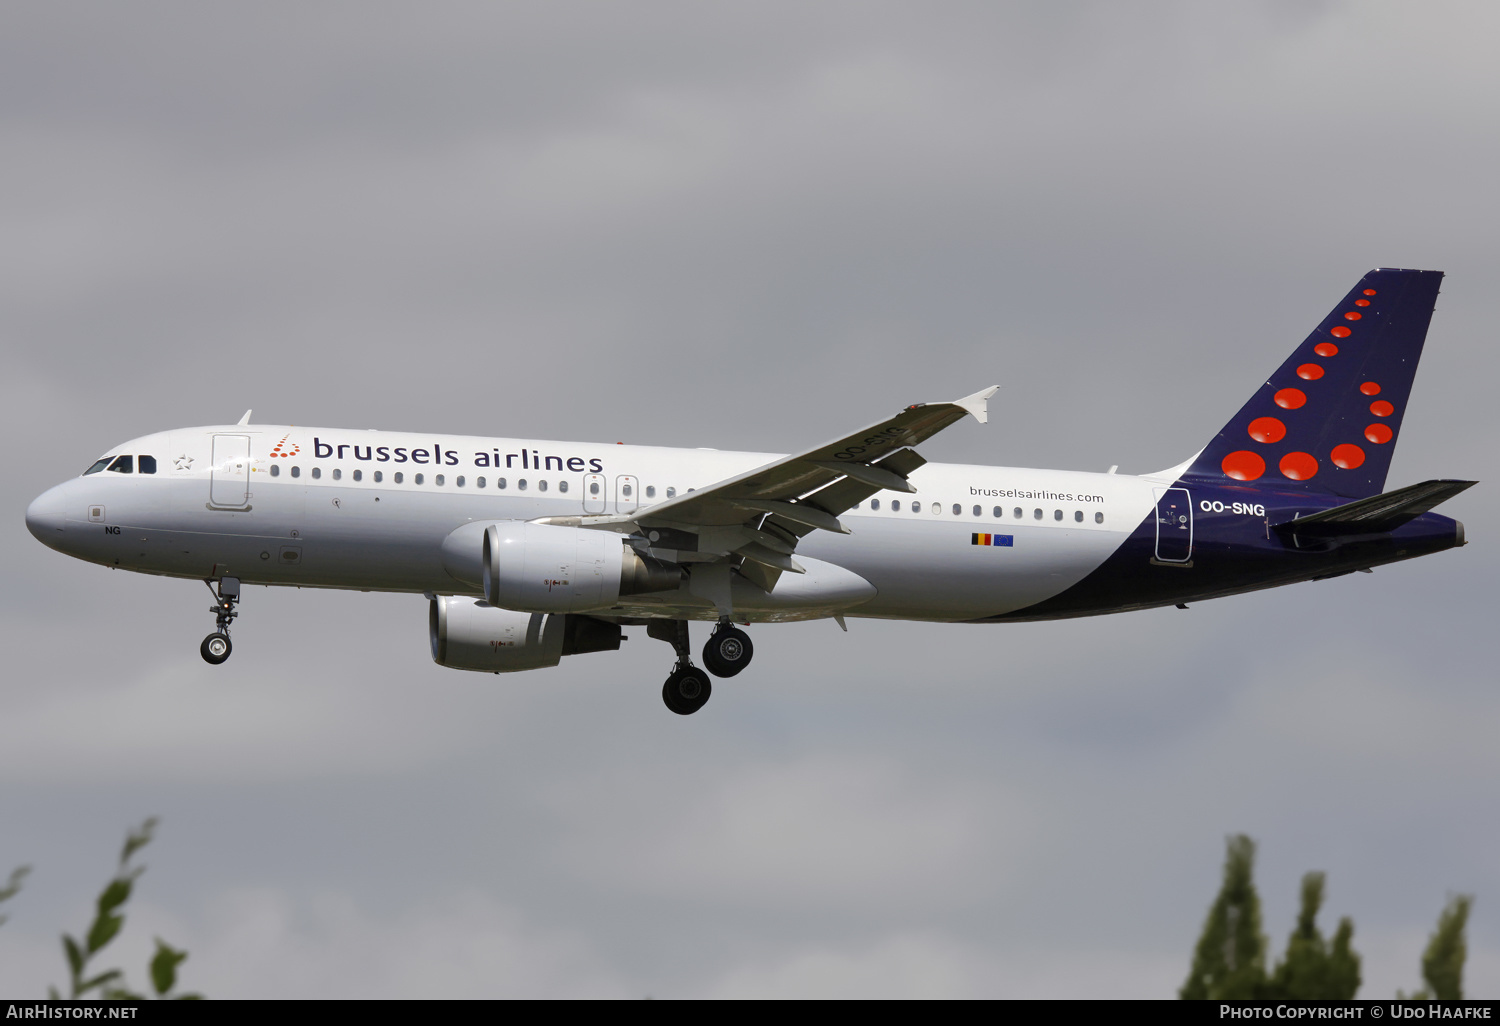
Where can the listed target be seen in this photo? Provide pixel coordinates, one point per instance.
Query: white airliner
(530, 550)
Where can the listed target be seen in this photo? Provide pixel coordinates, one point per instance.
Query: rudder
(1328, 419)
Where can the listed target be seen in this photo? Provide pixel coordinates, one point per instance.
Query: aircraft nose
(46, 516)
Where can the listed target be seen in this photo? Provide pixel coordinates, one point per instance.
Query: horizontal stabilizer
(1378, 513)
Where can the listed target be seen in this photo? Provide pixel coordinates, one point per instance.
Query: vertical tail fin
(1328, 419)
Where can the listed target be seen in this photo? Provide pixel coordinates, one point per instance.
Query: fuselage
(370, 510)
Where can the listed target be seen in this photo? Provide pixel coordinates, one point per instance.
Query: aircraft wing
(761, 514)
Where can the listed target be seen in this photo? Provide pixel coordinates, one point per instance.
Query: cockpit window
(98, 466)
(148, 464)
(123, 464)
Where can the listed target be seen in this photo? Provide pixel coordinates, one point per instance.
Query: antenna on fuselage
(243, 420)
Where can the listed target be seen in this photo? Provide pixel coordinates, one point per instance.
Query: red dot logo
(1381, 408)
(1326, 349)
(1299, 466)
(1243, 465)
(1369, 292)
(1379, 433)
(1291, 398)
(1267, 429)
(283, 449)
(1340, 332)
(1347, 457)
(1353, 315)
(1370, 388)
(1309, 372)
(1361, 302)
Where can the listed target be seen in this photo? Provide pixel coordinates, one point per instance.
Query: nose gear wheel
(217, 647)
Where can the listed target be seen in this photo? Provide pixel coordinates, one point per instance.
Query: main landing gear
(688, 688)
(216, 647)
(727, 651)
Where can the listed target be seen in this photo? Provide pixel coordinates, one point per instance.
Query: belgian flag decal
(1003, 540)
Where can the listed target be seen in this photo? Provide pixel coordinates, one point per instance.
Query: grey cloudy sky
(751, 227)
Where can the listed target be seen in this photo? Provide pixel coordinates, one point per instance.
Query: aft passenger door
(229, 475)
(1174, 525)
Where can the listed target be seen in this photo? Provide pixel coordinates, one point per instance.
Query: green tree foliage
(1230, 961)
(1312, 969)
(1447, 948)
(109, 917)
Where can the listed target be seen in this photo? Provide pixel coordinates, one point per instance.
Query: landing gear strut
(687, 688)
(727, 651)
(216, 647)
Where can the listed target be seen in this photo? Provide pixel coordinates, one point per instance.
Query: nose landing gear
(216, 647)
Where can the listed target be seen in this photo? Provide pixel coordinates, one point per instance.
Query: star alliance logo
(184, 462)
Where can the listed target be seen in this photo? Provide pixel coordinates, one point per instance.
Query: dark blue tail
(1328, 419)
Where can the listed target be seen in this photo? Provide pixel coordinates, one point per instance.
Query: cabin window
(399, 477)
(937, 507)
(275, 470)
(148, 464)
(671, 493)
(460, 481)
(100, 465)
(479, 482)
(626, 491)
(1098, 518)
(1078, 516)
(895, 505)
(1036, 514)
(337, 474)
(359, 475)
(1057, 514)
(541, 485)
(379, 477)
(500, 483)
(296, 471)
(593, 487)
(438, 480)
(874, 503)
(958, 510)
(417, 479)
(998, 512)
(317, 473)
(123, 464)
(562, 486)
(979, 511)
(651, 491)
(1018, 513)
(521, 484)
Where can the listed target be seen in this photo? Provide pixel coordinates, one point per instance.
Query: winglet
(978, 404)
(243, 420)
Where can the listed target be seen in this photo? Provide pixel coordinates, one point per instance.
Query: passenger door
(229, 475)
(1174, 525)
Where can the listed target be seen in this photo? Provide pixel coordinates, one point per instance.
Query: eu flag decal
(992, 539)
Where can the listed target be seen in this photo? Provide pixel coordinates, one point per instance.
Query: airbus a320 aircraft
(531, 550)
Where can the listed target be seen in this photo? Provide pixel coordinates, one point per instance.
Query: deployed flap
(779, 487)
(1378, 513)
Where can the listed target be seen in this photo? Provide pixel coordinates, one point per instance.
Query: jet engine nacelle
(470, 634)
(551, 568)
